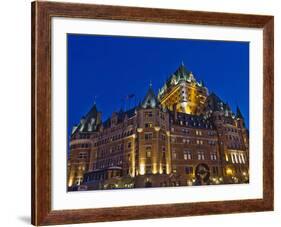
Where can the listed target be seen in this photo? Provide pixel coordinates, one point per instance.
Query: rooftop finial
(182, 63)
(150, 84)
(95, 100)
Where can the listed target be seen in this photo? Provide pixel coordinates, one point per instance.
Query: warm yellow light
(168, 168)
(226, 157)
(154, 168)
(139, 129)
(70, 182)
(229, 171)
(157, 128)
(160, 168)
(142, 169)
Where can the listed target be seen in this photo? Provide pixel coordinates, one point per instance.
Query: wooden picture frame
(42, 12)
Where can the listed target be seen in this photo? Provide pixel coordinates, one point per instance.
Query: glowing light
(70, 182)
(229, 171)
(157, 128)
(139, 130)
(142, 169)
(226, 157)
(160, 168)
(154, 170)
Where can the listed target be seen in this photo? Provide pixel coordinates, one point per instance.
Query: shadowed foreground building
(182, 136)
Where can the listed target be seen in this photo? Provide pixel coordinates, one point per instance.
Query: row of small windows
(80, 145)
(234, 146)
(82, 155)
(194, 124)
(230, 130)
(114, 138)
(111, 150)
(116, 161)
(84, 136)
(237, 158)
(231, 137)
(193, 141)
(197, 132)
(200, 155)
(149, 136)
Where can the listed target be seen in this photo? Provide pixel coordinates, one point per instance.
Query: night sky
(109, 68)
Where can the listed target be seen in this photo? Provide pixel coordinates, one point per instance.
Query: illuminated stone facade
(183, 136)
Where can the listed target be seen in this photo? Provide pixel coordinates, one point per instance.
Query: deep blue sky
(111, 67)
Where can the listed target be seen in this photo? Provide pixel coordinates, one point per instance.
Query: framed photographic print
(144, 113)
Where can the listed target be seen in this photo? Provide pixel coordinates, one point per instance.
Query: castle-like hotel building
(183, 136)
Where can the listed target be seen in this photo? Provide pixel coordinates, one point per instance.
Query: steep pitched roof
(238, 113)
(180, 73)
(120, 117)
(214, 103)
(150, 99)
(88, 123)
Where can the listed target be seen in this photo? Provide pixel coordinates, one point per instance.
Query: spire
(150, 100)
(183, 73)
(238, 113)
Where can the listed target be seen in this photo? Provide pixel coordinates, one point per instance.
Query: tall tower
(153, 137)
(183, 93)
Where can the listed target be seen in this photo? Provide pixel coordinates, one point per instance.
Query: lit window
(200, 155)
(187, 155)
(148, 151)
(213, 156)
(148, 125)
(232, 158)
